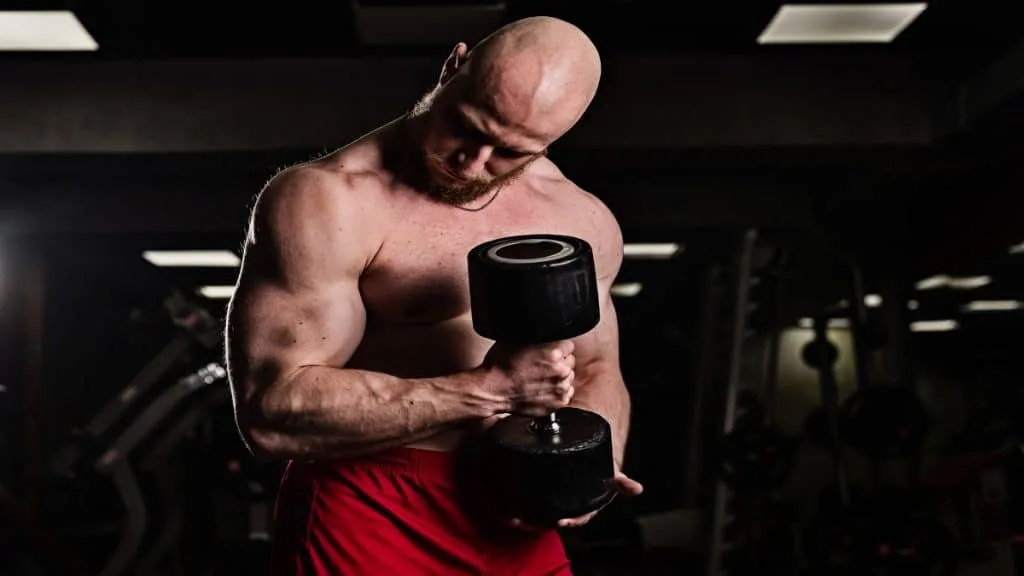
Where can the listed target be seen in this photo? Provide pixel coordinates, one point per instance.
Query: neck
(400, 151)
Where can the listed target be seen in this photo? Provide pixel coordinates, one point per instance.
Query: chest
(420, 275)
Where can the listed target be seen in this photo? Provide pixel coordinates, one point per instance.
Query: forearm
(601, 389)
(325, 412)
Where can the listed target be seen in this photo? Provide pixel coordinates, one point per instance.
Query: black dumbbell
(528, 290)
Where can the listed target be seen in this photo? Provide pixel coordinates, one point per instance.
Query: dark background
(903, 155)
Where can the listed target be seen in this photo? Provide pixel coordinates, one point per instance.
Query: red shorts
(402, 512)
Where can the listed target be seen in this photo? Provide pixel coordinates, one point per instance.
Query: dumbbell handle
(547, 424)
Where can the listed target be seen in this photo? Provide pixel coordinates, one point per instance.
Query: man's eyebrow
(472, 124)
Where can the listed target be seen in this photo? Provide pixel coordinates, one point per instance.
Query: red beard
(456, 190)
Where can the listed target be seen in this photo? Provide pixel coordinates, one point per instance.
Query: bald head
(498, 107)
(537, 73)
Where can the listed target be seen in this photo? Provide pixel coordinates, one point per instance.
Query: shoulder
(329, 186)
(323, 201)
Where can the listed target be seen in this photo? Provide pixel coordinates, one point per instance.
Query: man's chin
(462, 192)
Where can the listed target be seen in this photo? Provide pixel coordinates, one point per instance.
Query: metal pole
(858, 322)
(738, 334)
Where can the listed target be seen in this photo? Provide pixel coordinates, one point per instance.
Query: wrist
(483, 391)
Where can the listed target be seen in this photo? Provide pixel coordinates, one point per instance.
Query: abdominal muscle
(423, 351)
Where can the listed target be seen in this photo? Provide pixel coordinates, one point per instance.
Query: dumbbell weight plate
(755, 458)
(548, 477)
(535, 289)
(884, 421)
(820, 354)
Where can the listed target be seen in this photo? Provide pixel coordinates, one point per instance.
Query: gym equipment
(879, 421)
(764, 540)
(108, 443)
(534, 289)
(820, 354)
(114, 463)
(196, 326)
(823, 426)
(884, 421)
(881, 534)
(158, 463)
(729, 367)
(756, 458)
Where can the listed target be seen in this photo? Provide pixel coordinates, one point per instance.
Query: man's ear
(454, 61)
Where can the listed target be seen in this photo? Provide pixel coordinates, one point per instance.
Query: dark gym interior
(819, 306)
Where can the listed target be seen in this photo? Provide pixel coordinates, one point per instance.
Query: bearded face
(461, 163)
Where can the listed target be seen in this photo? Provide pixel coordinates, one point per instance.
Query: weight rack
(733, 367)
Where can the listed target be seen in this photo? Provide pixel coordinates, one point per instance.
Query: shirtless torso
(348, 267)
(351, 348)
(414, 288)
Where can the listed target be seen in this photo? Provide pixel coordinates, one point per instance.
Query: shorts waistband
(434, 464)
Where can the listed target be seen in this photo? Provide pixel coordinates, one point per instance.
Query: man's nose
(473, 160)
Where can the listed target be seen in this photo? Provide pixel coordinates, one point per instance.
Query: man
(350, 345)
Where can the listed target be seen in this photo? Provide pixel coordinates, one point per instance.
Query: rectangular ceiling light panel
(627, 290)
(839, 23)
(192, 258)
(216, 292)
(44, 31)
(651, 250)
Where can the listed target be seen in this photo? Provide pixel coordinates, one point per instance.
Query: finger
(570, 361)
(576, 522)
(627, 486)
(565, 383)
(563, 391)
(492, 420)
(562, 371)
(568, 347)
(556, 354)
(568, 394)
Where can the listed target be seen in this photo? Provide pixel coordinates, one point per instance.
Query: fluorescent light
(934, 325)
(192, 258)
(839, 23)
(872, 300)
(932, 282)
(832, 323)
(956, 283)
(44, 31)
(654, 251)
(1017, 248)
(992, 306)
(627, 290)
(969, 282)
(216, 292)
